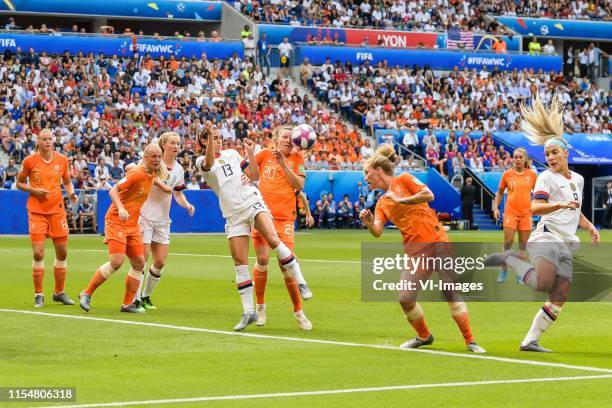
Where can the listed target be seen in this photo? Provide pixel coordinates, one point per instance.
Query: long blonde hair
(384, 157)
(542, 123)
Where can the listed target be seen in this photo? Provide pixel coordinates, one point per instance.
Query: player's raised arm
(210, 146)
(253, 169)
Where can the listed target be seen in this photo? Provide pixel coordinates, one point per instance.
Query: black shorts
(284, 62)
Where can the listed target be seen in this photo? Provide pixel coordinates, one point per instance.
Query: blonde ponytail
(384, 158)
(542, 123)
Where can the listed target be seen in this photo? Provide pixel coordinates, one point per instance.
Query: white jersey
(157, 206)
(225, 178)
(554, 188)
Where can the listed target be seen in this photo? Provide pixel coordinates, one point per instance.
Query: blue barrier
(447, 199)
(208, 217)
(544, 27)
(13, 210)
(158, 9)
(120, 46)
(437, 60)
(385, 135)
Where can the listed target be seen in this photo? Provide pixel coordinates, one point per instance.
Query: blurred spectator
(285, 48)
(263, 53)
(549, 48)
(87, 215)
(468, 199)
(534, 46)
(345, 213)
(70, 214)
(193, 184)
(10, 174)
(606, 203)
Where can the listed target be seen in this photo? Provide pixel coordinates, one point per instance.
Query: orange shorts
(518, 222)
(52, 226)
(285, 231)
(123, 240)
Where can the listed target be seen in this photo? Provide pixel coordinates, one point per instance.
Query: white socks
(244, 283)
(153, 277)
(545, 317)
(524, 270)
(289, 262)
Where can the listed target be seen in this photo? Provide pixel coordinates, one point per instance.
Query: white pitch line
(198, 255)
(337, 391)
(315, 341)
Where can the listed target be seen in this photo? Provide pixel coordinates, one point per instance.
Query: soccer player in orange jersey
(46, 171)
(281, 172)
(405, 205)
(122, 233)
(519, 182)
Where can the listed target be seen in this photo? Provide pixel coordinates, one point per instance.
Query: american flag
(460, 39)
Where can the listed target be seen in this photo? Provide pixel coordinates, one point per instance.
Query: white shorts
(546, 245)
(154, 231)
(241, 224)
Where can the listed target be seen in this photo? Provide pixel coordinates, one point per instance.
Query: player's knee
(241, 260)
(38, 255)
(407, 299)
(138, 262)
(61, 254)
(159, 264)
(262, 260)
(116, 261)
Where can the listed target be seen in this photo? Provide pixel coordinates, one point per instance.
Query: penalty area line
(313, 341)
(337, 391)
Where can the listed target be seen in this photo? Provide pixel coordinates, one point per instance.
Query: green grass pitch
(109, 361)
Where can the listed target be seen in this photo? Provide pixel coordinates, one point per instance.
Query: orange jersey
(274, 186)
(416, 222)
(519, 187)
(48, 176)
(133, 189)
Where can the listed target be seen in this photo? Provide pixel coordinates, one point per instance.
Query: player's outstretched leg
(543, 319)
(99, 277)
(414, 315)
(460, 315)
(286, 257)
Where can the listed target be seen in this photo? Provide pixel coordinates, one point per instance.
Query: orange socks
(416, 318)
(132, 281)
(260, 273)
(294, 292)
(102, 274)
(460, 315)
(38, 272)
(59, 271)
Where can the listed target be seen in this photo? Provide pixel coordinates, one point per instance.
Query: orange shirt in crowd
(48, 176)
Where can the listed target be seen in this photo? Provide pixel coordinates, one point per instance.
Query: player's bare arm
(541, 207)
(114, 196)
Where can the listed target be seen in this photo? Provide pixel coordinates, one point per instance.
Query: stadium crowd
(422, 15)
(380, 96)
(104, 109)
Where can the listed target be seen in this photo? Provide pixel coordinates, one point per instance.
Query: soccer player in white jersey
(243, 208)
(155, 220)
(557, 199)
